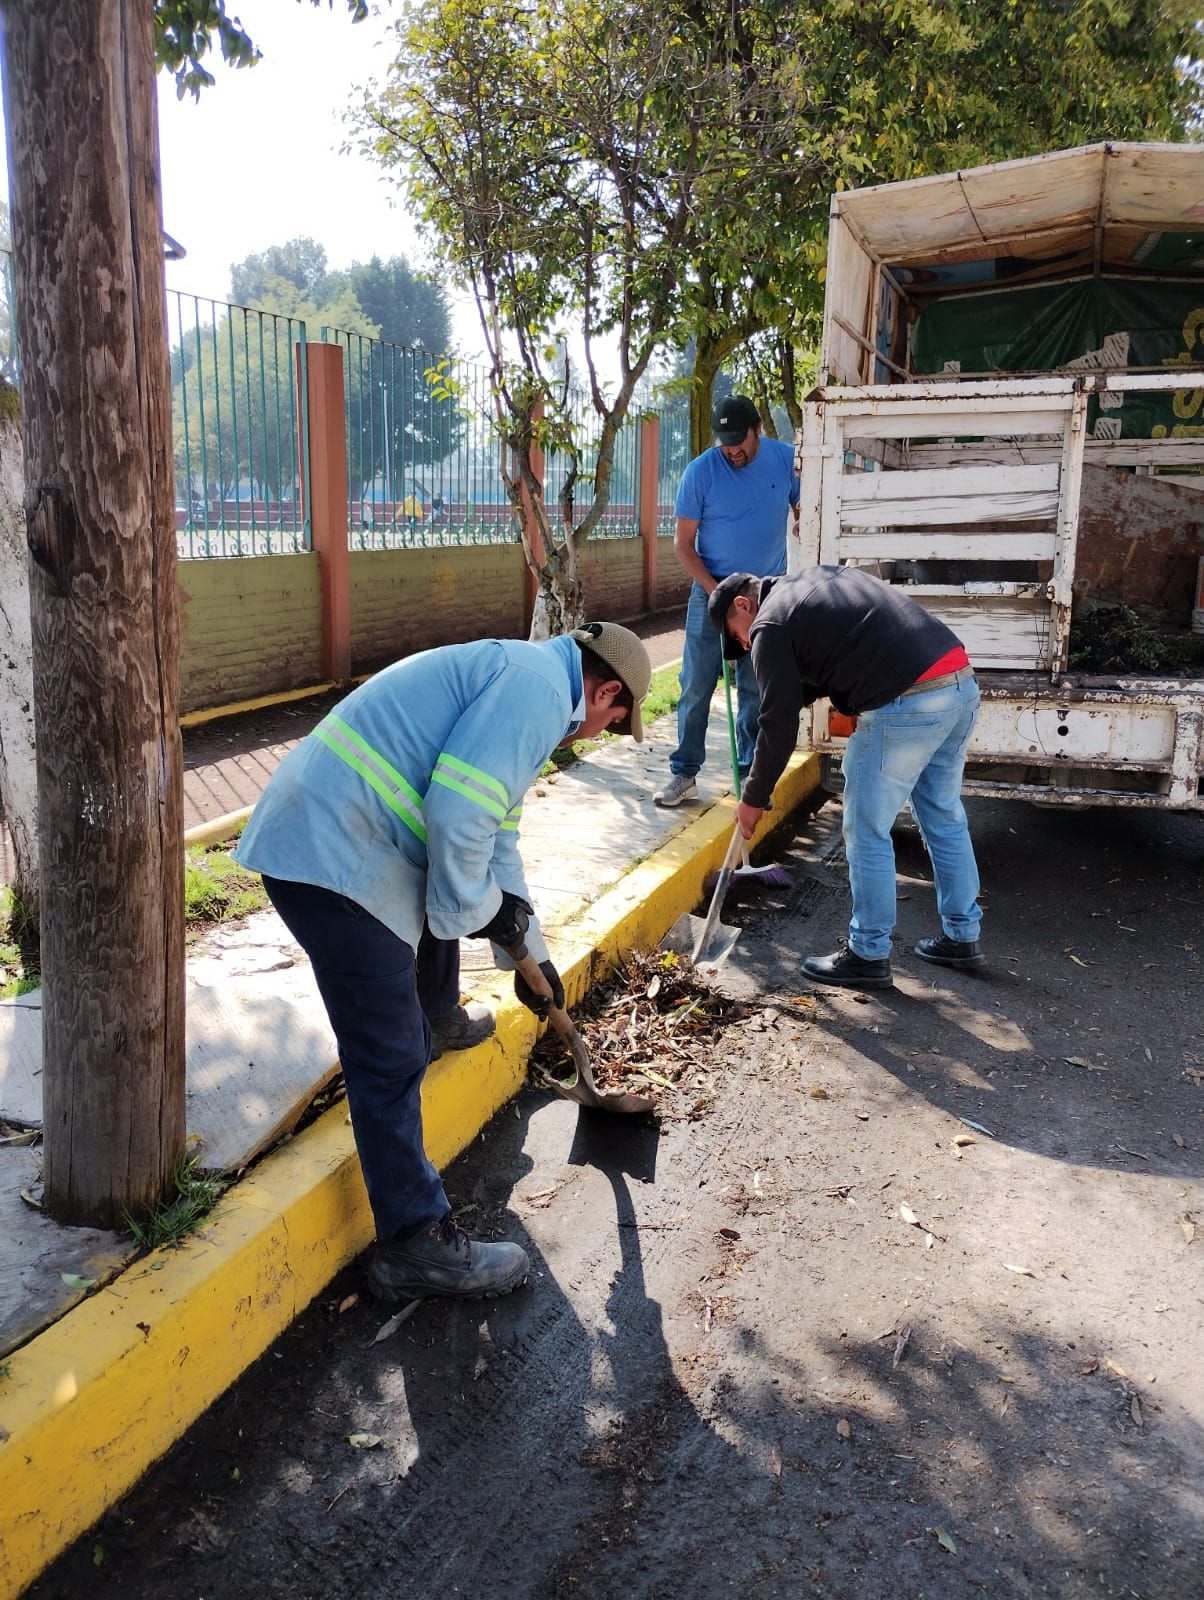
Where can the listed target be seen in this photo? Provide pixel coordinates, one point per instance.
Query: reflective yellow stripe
(474, 775)
(473, 784)
(400, 797)
(513, 817)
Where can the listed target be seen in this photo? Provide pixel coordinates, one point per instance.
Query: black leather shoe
(847, 970)
(443, 1260)
(461, 1029)
(950, 952)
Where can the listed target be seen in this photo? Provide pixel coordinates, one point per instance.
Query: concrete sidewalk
(90, 1401)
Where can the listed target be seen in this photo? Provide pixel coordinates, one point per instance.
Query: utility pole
(79, 88)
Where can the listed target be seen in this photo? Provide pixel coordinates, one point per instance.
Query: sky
(256, 161)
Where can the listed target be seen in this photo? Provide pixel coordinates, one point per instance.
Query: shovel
(707, 940)
(581, 1086)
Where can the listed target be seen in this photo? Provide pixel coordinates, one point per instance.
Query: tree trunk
(79, 84)
(709, 356)
(18, 771)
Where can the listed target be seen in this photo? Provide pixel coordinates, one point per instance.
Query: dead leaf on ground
(962, 1139)
(1025, 1272)
(1188, 1227)
(1080, 1061)
(909, 1216)
(945, 1541)
(844, 1428)
(1078, 960)
(818, 1092)
(775, 1460)
(1135, 1412)
(74, 1281)
(900, 1345)
(364, 1441)
(347, 1302)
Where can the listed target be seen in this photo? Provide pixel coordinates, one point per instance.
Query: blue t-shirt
(740, 511)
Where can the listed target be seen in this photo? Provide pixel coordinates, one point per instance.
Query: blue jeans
(378, 998)
(913, 748)
(701, 669)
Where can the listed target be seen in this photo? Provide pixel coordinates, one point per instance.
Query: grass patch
(170, 1221)
(217, 888)
(664, 691)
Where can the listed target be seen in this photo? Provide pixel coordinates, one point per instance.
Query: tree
(78, 80)
(558, 153)
(300, 262)
(79, 84)
(859, 94)
(409, 307)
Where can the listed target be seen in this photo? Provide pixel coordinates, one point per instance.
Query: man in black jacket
(881, 658)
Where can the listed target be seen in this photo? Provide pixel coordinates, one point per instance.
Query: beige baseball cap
(624, 652)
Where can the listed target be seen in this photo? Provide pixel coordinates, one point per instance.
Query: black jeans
(378, 998)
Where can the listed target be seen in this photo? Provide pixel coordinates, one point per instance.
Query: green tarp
(1112, 322)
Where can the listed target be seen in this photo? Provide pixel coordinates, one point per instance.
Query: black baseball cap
(733, 417)
(720, 603)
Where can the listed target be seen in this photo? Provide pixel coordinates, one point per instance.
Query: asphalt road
(901, 1299)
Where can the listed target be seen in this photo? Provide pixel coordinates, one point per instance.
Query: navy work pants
(378, 998)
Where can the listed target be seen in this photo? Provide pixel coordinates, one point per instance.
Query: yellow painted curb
(194, 719)
(89, 1405)
(218, 829)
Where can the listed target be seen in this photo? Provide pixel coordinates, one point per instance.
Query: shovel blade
(686, 934)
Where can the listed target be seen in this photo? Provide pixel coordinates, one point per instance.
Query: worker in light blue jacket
(387, 835)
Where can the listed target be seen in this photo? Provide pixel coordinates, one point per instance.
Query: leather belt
(943, 682)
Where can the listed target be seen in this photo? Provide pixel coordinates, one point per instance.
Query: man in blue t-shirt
(731, 517)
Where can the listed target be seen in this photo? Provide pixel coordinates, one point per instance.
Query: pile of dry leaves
(650, 1026)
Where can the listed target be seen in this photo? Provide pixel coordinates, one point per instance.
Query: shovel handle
(583, 1087)
(533, 976)
(716, 906)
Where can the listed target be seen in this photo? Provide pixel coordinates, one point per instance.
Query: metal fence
(238, 429)
(423, 457)
(674, 458)
(424, 462)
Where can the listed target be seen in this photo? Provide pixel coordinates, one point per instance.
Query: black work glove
(536, 1002)
(508, 924)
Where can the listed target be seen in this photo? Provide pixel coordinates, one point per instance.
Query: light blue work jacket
(406, 798)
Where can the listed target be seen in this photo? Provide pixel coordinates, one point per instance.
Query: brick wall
(406, 600)
(250, 625)
(613, 574)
